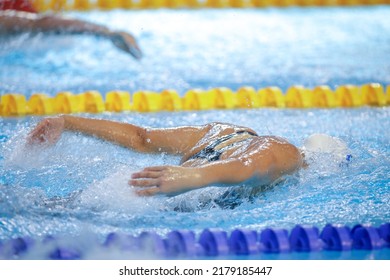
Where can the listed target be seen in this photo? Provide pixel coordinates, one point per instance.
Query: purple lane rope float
(209, 243)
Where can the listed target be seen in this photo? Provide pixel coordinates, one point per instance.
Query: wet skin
(260, 160)
(14, 23)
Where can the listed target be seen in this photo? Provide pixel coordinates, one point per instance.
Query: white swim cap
(326, 144)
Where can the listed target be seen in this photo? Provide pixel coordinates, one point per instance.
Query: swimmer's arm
(142, 139)
(264, 167)
(229, 172)
(124, 134)
(18, 22)
(178, 179)
(172, 140)
(175, 140)
(63, 25)
(49, 130)
(13, 22)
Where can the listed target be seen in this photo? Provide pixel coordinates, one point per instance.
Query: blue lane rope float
(305, 239)
(64, 102)
(214, 242)
(336, 238)
(274, 241)
(243, 242)
(211, 242)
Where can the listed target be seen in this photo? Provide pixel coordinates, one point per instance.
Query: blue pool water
(79, 187)
(208, 48)
(324, 193)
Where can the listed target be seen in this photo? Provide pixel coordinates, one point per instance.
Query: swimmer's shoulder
(279, 152)
(278, 141)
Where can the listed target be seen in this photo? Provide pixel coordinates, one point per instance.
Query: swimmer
(212, 154)
(14, 22)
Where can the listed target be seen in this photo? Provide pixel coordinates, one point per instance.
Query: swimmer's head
(324, 144)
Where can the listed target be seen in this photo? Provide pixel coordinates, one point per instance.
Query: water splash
(79, 186)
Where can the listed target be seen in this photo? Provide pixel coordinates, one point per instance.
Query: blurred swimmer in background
(215, 154)
(19, 16)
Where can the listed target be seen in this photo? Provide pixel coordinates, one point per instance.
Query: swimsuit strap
(209, 151)
(227, 137)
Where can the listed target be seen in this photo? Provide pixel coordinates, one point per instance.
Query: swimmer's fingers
(148, 191)
(146, 174)
(166, 179)
(47, 131)
(149, 172)
(156, 168)
(144, 182)
(149, 178)
(150, 186)
(37, 135)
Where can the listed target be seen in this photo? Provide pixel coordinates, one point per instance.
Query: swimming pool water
(31, 181)
(186, 49)
(79, 186)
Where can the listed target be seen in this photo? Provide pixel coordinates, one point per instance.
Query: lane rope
(86, 5)
(208, 243)
(65, 102)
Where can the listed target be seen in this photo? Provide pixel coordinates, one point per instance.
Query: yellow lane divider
(117, 101)
(13, 105)
(65, 102)
(85, 5)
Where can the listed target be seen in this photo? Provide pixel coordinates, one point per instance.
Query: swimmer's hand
(48, 131)
(126, 42)
(174, 180)
(167, 179)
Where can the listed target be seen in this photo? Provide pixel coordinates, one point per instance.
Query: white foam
(325, 144)
(114, 193)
